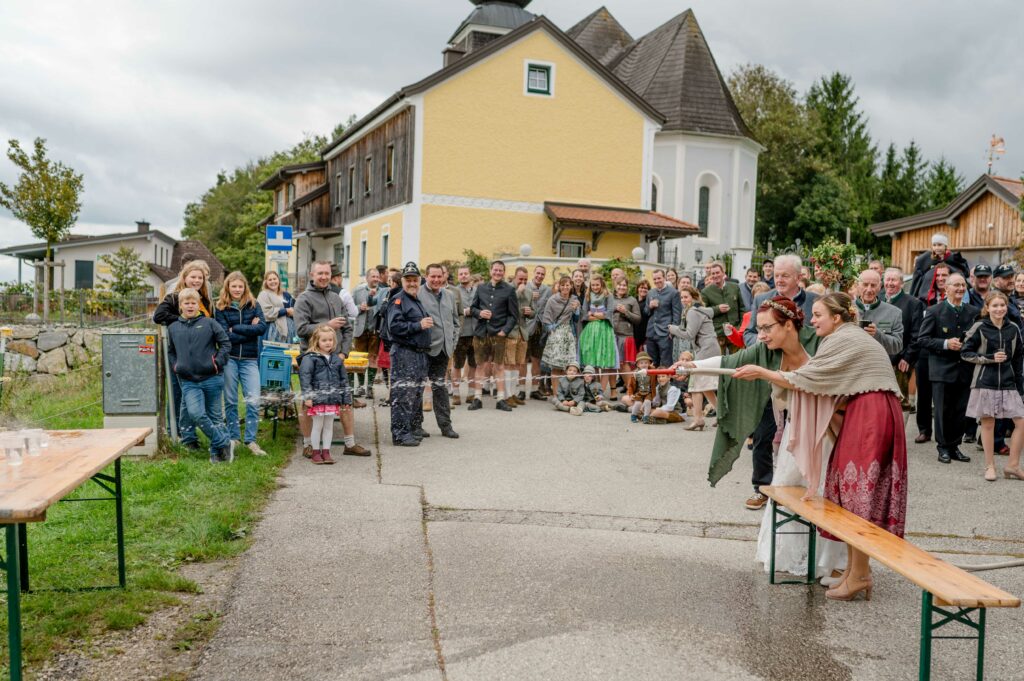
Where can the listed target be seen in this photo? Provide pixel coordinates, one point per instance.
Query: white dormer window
(540, 79)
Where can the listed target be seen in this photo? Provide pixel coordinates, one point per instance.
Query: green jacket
(730, 295)
(741, 403)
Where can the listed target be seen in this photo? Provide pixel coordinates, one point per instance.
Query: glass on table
(36, 441)
(13, 444)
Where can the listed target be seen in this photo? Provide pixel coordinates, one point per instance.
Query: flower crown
(781, 308)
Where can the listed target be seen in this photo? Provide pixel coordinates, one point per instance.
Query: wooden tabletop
(74, 456)
(949, 584)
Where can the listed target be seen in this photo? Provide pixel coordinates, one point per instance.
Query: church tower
(490, 19)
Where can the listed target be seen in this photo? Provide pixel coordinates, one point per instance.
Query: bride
(783, 340)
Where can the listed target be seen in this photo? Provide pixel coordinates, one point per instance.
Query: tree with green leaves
(127, 272)
(826, 210)
(47, 196)
(941, 185)
(845, 145)
(781, 122)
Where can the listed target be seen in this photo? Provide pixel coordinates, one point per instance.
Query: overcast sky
(149, 100)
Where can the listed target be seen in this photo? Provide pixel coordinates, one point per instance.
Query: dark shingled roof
(601, 35)
(186, 251)
(508, 15)
(673, 69)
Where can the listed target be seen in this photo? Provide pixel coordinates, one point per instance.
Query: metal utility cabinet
(130, 384)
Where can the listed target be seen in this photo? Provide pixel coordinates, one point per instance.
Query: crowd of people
(816, 383)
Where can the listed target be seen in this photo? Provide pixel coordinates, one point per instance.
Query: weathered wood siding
(971, 233)
(315, 215)
(397, 130)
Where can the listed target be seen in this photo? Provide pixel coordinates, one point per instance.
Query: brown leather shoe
(307, 451)
(358, 404)
(922, 437)
(356, 450)
(513, 401)
(456, 400)
(756, 502)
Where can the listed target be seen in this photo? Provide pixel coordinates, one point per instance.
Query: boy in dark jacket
(198, 350)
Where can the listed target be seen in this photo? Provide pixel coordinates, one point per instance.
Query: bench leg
(23, 555)
(811, 543)
(13, 568)
(119, 510)
(929, 625)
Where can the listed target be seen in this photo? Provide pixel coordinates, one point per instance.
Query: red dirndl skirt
(629, 350)
(867, 473)
(383, 358)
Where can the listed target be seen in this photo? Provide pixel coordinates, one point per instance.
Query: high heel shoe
(1011, 474)
(696, 425)
(845, 593)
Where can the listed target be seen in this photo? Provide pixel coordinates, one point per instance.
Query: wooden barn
(984, 223)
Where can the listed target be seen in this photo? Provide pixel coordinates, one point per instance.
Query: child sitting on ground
(593, 395)
(571, 393)
(325, 390)
(666, 397)
(639, 389)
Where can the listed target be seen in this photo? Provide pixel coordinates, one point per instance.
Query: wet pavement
(545, 546)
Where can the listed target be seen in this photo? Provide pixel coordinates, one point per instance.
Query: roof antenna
(996, 148)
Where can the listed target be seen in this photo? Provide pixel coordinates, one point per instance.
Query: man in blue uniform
(409, 328)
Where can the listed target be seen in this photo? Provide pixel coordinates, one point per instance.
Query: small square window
(571, 249)
(538, 79)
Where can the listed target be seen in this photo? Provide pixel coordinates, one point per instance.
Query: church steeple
(490, 19)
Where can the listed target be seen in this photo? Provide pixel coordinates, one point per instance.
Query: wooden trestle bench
(947, 591)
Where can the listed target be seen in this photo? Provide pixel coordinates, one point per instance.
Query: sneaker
(576, 411)
(502, 405)
(318, 457)
(475, 404)
(307, 451)
(756, 501)
(325, 456)
(633, 418)
(356, 450)
(256, 449)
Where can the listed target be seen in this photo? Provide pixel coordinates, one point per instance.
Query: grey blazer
(443, 309)
(465, 300)
(366, 321)
(536, 305)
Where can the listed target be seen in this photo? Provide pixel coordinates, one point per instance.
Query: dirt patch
(165, 648)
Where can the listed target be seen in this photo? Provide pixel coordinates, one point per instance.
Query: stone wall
(55, 350)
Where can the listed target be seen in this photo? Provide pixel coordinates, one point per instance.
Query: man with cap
(443, 309)
(923, 285)
(980, 285)
(409, 328)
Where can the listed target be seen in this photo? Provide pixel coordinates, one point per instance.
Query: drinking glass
(34, 441)
(14, 445)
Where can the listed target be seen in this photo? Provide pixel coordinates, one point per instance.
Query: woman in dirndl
(559, 321)
(849, 380)
(597, 340)
(625, 316)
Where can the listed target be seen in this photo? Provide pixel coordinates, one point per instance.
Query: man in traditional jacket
(912, 309)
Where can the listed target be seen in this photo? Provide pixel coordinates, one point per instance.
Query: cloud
(151, 100)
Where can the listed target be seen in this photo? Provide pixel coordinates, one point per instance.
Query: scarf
(741, 404)
(848, 362)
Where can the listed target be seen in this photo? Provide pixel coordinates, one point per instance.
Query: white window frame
(362, 252)
(572, 242)
(385, 242)
(550, 66)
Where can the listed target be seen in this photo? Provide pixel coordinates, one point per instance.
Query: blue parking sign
(279, 238)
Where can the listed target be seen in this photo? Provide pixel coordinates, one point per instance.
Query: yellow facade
(372, 232)
(453, 230)
(484, 137)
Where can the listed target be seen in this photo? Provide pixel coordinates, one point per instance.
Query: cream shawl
(848, 362)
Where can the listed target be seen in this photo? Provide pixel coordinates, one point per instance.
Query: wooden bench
(947, 591)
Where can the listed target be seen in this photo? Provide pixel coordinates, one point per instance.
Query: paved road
(547, 546)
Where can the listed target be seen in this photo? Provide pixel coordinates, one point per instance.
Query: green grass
(178, 508)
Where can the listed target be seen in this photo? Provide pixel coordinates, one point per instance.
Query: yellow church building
(525, 145)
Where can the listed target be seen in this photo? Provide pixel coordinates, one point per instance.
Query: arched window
(703, 209)
(654, 196)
